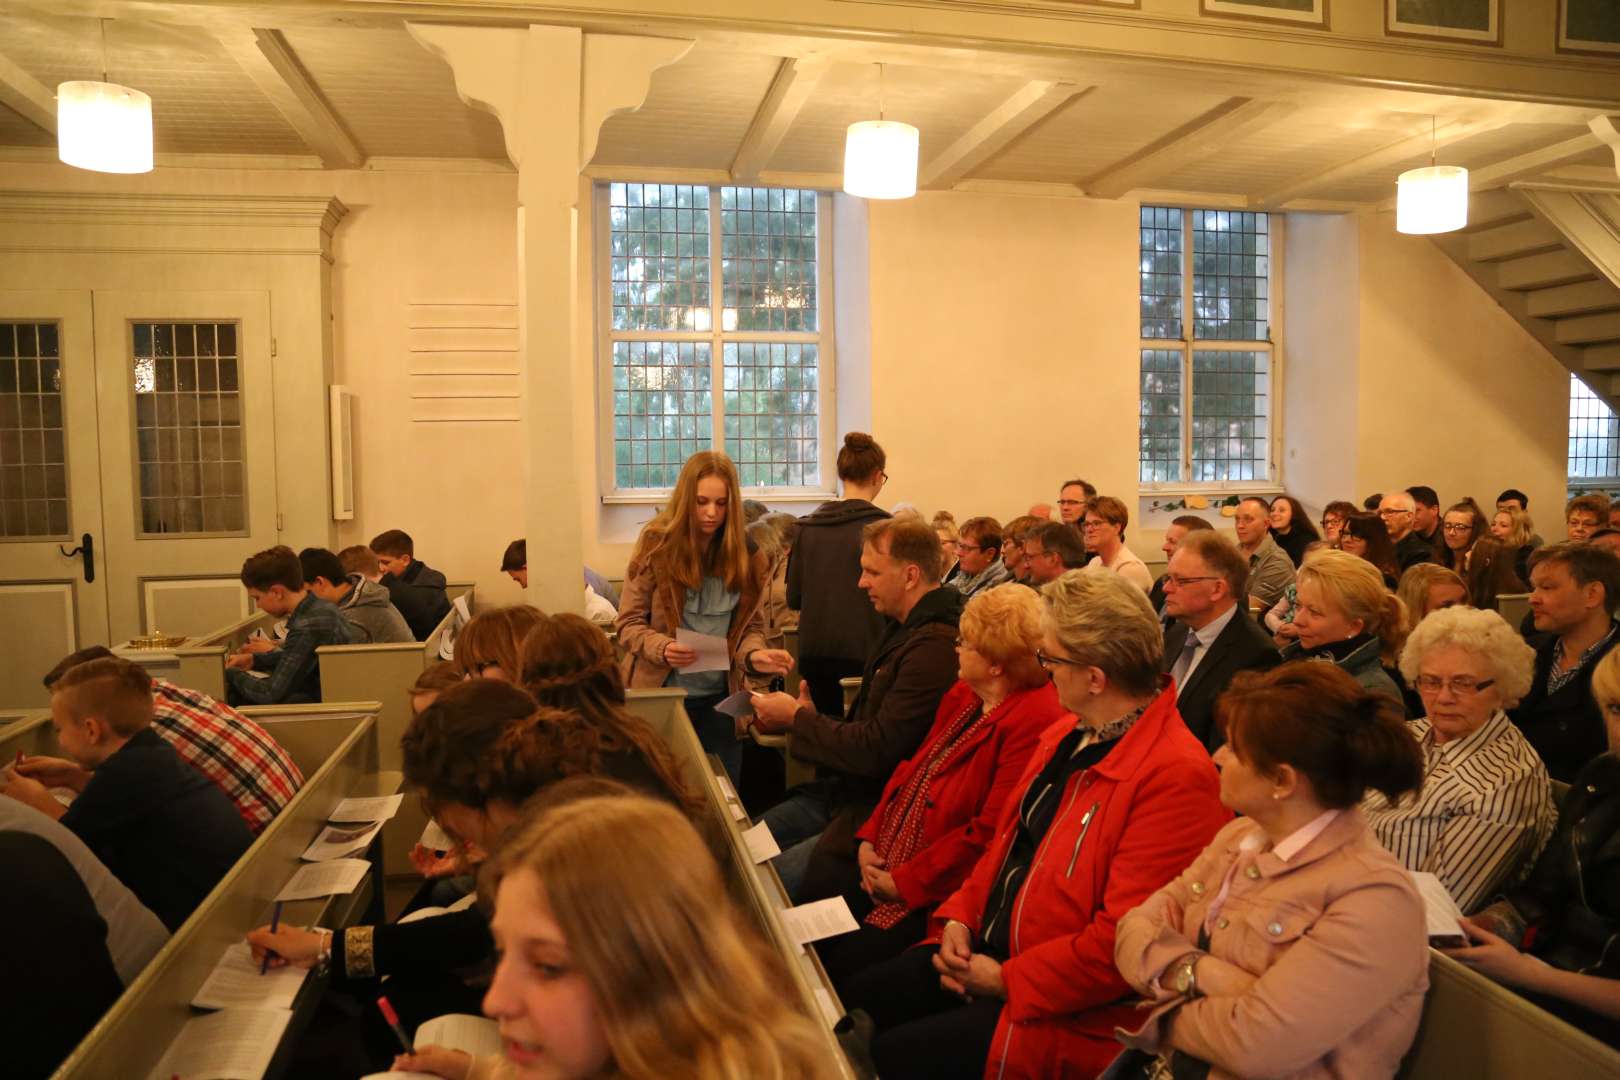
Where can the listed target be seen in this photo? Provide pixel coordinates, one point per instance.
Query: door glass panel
(188, 433)
(33, 468)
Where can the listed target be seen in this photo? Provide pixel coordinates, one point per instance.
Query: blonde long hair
(1357, 588)
(681, 987)
(672, 545)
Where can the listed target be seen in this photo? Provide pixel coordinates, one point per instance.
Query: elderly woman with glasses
(1485, 809)
(1111, 806)
(1103, 529)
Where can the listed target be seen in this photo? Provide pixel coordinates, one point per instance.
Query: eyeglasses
(1028, 554)
(1460, 685)
(1050, 663)
(963, 545)
(1453, 527)
(1393, 513)
(1089, 524)
(1071, 502)
(1333, 523)
(1182, 582)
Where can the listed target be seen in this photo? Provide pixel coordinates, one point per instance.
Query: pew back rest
(136, 1032)
(851, 687)
(665, 712)
(28, 732)
(1513, 607)
(1473, 1027)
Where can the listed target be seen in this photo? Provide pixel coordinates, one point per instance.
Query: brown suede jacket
(650, 612)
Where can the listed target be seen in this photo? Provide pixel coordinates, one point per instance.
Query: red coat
(966, 796)
(1153, 805)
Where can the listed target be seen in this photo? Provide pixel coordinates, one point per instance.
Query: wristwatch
(1185, 978)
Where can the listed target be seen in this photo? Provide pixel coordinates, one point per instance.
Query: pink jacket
(1335, 937)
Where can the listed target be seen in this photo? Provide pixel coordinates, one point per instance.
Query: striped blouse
(1482, 817)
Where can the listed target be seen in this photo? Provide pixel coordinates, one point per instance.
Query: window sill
(659, 498)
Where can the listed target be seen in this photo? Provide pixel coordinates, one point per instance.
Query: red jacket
(1133, 822)
(966, 796)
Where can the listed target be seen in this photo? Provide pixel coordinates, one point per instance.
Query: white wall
(1322, 337)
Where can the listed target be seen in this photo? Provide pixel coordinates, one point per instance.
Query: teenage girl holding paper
(694, 569)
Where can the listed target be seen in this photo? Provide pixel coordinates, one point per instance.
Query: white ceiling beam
(267, 59)
(1504, 172)
(1034, 102)
(795, 81)
(1382, 158)
(27, 96)
(1200, 138)
(1607, 129)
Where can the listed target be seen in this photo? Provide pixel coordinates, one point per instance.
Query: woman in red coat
(940, 808)
(1110, 808)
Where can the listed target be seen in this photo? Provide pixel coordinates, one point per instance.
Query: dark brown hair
(568, 663)
(494, 637)
(1586, 563)
(1222, 556)
(1015, 530)
(1590, 503)
(274, 566)
(1479, 526)
(860, 457)
(1380, 548)
(1110, 510)
(1192, 522)
(1492, 571)
(911, 540)
(1061, 540)
(111, 689)
(488, 741)
(1319, 720)
(516, 556)
(1084, 485)
(71, 660)
(393, 542)
(436, 678)
(1299, 521)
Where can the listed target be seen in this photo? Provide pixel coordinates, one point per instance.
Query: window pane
(33, 489)
(1230, 415)
(768, 259)
(1161, 415)
(659, 258)
(663, 409)
(1231, 275)
(1594, 435)
(771, 413)
(187, 410)
(1161, 272)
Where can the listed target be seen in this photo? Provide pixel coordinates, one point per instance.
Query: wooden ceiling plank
(1504, 172)
(1032, 103)
(27, 96)
(795, 81)
(1208, 134)
(267, 59)
(1382, 158)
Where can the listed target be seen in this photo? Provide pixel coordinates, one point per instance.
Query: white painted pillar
(551, 87)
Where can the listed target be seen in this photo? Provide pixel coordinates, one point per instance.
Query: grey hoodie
(369, 610)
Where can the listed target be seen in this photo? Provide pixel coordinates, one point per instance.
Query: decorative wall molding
(465, 363)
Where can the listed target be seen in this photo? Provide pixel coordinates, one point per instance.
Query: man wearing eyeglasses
(1210, 640)
(1398, 510)
(1072, 499)
(1050, 549)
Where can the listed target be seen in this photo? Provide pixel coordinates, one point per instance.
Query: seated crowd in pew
(1079, 819)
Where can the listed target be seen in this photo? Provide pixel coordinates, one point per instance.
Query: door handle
(87, 549)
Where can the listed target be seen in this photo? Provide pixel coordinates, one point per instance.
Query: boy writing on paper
(275, 580)
(165, 830)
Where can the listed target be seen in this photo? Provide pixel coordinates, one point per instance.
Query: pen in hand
(275, 924)
(393, 1021)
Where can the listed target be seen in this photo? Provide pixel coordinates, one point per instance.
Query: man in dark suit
(1212, 637)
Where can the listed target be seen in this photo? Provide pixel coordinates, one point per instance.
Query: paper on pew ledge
(236, 983)
(821, 919)
(367, 808)
(762, 846)
(232, 1044)
(737, 811)
(335, 877)
(1440, 911)
(475, 1035)
(434, 838)
(336, 841)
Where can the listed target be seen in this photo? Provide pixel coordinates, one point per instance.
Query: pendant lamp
(1431, 200)
(880, 156)
(102, 126)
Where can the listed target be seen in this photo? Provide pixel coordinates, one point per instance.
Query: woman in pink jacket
(1295, 944)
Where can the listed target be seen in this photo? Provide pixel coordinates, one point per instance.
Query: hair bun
(859, 440)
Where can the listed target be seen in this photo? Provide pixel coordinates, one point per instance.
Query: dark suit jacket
(1242, 646)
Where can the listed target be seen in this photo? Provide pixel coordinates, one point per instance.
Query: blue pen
(275, 923)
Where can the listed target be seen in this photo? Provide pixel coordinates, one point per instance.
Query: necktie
(1183, 664)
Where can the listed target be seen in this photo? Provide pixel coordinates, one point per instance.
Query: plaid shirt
(295, 673)
(238, 755)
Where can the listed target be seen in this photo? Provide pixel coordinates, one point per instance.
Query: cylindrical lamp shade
(880, 160)
(104, 127)
(1431, 200)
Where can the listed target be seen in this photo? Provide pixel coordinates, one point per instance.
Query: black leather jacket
(1571, 900)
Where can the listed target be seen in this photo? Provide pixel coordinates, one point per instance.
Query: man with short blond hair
(1271, 571)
